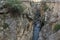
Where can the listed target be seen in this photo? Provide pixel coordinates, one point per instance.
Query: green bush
(5, 26)
(57, 27)
(14, 7)
(45, 7)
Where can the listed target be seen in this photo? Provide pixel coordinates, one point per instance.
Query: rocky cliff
(52, 18)
(21, 28)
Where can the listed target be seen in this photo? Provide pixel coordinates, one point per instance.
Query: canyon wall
(52, 18)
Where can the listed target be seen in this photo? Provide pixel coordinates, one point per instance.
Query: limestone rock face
(52, 17)
(20, 28)
(55, 36)
(45, 32)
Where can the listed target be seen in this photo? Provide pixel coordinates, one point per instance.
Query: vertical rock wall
(20, 28)
(47, 32)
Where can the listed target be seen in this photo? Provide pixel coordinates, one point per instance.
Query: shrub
(5, 26)
(45, 6)
(14, 7)
(57, 27)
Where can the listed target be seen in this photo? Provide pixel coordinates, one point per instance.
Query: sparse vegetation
(5, 26)
(14, 7)
(45, 7)
(57, 27)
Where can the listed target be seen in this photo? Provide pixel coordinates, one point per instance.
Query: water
(37, 26)
(36, 30)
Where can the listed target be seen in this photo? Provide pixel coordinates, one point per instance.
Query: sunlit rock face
(54, 0)
(36, 0)
(25, 24)
(55, 36)
(51, 0)
(20, 28)
(53, 17)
